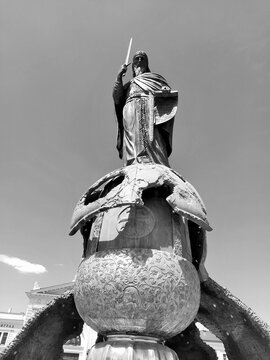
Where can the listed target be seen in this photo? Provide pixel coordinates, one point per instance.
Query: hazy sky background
(59, 59)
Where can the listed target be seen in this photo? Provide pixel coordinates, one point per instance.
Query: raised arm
(118, 89)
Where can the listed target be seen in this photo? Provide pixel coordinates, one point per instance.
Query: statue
(145, 109)
(142, 283)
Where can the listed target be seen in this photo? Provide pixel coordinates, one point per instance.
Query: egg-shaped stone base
(119, 347)
(137, 291)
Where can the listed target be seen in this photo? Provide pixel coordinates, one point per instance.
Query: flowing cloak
(164, 110)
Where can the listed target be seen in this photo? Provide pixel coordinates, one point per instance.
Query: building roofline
(54, 287)
(11, 316)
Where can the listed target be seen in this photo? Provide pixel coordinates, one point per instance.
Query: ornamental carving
(135, 221)
(137, 290)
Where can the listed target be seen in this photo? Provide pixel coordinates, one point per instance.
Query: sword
(128, 53)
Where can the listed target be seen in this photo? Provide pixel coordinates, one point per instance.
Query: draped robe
(140, 137)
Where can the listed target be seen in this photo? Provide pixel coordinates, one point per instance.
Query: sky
(58, 63)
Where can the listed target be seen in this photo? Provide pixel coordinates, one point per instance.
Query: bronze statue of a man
(145, 110)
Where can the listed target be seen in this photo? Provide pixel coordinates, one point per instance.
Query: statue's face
(139, 64)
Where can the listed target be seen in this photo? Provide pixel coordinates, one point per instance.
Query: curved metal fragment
(136, 178)
(88, 205)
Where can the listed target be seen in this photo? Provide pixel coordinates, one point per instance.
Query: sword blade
(128, 52)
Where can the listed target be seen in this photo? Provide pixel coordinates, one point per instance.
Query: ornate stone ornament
(135, 221)
(141, 291)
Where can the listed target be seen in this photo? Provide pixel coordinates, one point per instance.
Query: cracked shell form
(139, 291)
(130, 183)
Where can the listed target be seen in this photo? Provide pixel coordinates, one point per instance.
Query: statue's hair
(143, 53)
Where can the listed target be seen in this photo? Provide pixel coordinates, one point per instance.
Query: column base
(131, 347)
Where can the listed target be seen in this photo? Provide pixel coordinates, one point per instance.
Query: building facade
(10, 326)
(12, 323)
(76, 348)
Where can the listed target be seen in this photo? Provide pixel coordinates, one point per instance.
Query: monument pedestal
(131, 347)
(137, 284)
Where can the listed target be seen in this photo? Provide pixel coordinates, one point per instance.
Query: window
(76, 341)
(69, 356)
(3, 338)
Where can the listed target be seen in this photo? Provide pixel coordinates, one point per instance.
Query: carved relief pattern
(137, 290)
(135, 221)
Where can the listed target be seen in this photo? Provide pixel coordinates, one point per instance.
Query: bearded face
(140, 64)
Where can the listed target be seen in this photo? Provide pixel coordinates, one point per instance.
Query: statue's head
(140, 63)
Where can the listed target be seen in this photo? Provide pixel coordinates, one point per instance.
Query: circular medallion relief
(135, 221)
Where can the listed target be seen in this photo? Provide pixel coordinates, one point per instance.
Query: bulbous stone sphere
(119, 347)
(139, 291)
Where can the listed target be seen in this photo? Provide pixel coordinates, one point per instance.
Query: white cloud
(22, 266)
